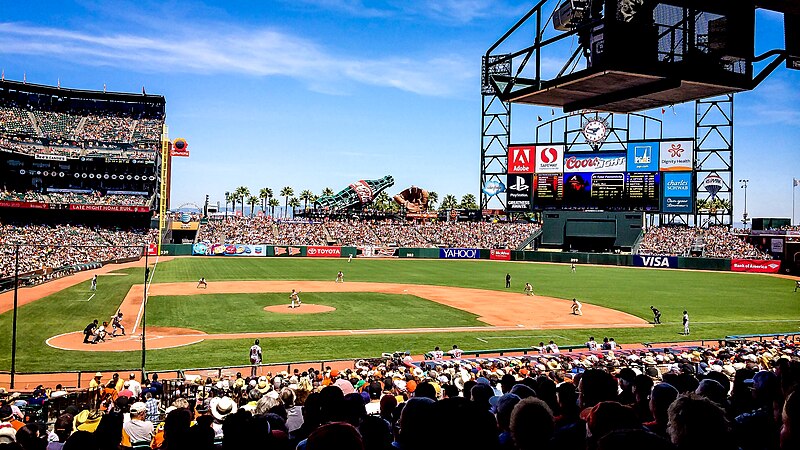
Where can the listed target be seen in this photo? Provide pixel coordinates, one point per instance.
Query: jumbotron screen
(650, 176)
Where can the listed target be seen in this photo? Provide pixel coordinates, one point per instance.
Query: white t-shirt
(456, 352)
(592, 345)
(437, 355)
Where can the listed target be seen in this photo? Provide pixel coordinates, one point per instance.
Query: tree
(468, 202)
(252, 201)
(307, 196)
(433, 197)
(242, 192)
(273, 202)
(286, 192)
(381, 201)
(265, 194)
(449, 202)
(229, 198)
(294, 202)
(327, 191)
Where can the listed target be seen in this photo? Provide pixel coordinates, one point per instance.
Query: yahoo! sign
(459, 253)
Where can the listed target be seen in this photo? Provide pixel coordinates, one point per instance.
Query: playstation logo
(519, 185)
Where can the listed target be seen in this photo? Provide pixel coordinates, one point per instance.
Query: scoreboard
(643, 179)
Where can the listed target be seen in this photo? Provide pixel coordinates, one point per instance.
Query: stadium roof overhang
(81, 94)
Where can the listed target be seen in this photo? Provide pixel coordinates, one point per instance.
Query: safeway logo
(550, 159)
(520, 159)
(459, 253)
(324, 252)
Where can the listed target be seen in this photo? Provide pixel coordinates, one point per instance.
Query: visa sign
(663, 262)
(459, 253)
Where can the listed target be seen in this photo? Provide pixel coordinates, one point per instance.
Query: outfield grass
(720, 303)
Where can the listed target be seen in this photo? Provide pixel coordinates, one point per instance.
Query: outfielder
(295, 298)
(686, 323)
(94, 283)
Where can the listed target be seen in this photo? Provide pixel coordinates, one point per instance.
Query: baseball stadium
(595, 291)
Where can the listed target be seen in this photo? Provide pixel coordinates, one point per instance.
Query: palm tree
(286, 192)
(228, 199)
(252, 201)
(242, 192)
(433, 197)
(265, 194)
(449, 202)
(307, 196)
(294, 202)
(468, 202)
(327, 191)
(381, 201)
(273, 202)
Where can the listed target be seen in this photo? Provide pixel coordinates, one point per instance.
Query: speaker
(791, 26)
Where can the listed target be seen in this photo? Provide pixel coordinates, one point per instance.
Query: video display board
(633, 180)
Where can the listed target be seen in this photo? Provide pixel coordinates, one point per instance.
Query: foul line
(146, 294)
(90, 297)
(550, 336)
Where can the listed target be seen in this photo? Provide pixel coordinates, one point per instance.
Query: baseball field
(383, 305)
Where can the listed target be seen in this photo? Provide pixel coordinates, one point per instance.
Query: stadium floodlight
(744, 214)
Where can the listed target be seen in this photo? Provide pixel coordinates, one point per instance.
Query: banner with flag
(795, 182)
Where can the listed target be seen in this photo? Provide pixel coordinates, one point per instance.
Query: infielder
(295, 298)
(528, 289)
(202, 282)
(576, 307)
(656, 315)
(340, 277)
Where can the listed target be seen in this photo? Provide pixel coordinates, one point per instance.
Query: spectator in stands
(532, 424)
(697, 423)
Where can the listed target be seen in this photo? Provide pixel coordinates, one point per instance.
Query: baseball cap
(334, 373)
(138, 408)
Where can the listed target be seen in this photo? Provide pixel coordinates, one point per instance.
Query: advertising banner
(459, 253)
(776, 245)
(109, 208)
(493, 187)
(676, 156)
(287, 251)
(500, 254)
(376, 252)
(152, 250)
(677, 193)
(200, 248)
(755, 266)
(663, 262)
(519, 192)
(521, 159)
(323, 252)
(594, 162)
(28, 205)
(50, 157)
(549, 159)
(643, 157)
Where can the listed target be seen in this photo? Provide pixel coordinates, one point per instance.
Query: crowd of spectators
(69, 246)
(96, 198)
(712, 242)
(29, 197)
(739, 397)
(264, 230)
(107, 128)
(15, 121)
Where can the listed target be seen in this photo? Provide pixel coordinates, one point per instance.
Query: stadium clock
(595, 131)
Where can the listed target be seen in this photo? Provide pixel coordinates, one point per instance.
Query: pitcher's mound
(305, 308)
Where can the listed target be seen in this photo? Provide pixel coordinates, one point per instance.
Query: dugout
(592, 231)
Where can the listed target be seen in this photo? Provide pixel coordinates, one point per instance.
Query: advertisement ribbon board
(459, 253)
(755, 266)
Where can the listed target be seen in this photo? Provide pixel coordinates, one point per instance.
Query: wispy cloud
(453, 12)
(253, 52)
(775, 102)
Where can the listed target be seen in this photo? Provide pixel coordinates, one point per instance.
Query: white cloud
(253, 52)
(455, 12)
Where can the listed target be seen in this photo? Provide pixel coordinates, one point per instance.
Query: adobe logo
(520, 159)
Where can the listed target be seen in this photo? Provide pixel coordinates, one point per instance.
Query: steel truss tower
(495, 134)
(714, 156)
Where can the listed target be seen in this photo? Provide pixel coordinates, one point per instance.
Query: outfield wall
(607, 259)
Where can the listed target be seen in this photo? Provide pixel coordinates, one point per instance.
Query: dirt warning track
(500, 310)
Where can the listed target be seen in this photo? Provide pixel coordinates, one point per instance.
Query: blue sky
(320, 93)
